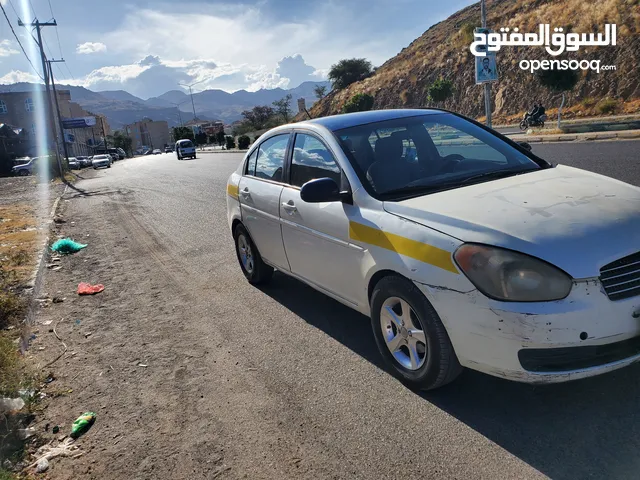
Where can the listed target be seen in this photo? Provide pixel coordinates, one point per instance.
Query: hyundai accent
(463, 247)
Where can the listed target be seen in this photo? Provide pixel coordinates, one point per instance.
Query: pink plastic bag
(88, 289)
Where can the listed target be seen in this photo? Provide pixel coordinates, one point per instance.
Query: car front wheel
(411, 336)
(254, 269)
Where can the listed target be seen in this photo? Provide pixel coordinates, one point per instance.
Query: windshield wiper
(507, 172)
(436, 187)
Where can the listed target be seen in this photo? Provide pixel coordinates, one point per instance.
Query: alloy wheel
(246, 256)
(403, 333)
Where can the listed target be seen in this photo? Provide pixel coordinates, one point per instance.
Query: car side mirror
(525, 145)
(321, 190)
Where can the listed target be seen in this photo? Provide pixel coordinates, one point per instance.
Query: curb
(577, 137)
(35, 282)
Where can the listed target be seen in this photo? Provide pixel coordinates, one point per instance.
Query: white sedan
(101, 161)
(463, 247)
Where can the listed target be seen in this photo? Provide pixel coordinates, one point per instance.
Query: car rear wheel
(411, 336)
(254, 269)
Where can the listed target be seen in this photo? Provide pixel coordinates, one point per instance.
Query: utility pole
(487, 85)
(55, 96)
(49, 112)
(104, 136)
(191, 95)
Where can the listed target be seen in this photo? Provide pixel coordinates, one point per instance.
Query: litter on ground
(88, 289)
(66, 245)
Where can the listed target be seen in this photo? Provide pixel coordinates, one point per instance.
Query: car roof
(346, 120)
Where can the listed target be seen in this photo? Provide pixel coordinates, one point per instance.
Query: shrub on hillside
(348, 71)
(243, 142)
(440, 90)
(607, 106)
(230, 142)
(360, 102)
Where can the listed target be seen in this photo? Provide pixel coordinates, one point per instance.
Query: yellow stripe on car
(404, 246)
(232, 190)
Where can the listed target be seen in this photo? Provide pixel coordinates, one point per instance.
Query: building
(209, 127)
(19, 109)
(148, 134)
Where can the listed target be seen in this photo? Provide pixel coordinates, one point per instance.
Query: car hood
(574, 219)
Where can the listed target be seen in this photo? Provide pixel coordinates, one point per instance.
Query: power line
(59, 44)
(19, 43)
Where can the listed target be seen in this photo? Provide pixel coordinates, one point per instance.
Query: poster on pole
(486, 66)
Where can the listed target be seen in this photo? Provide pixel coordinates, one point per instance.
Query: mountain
(443, 51)
(122, 108)
(120, 95)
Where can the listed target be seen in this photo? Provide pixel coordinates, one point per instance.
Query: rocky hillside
(443, 51)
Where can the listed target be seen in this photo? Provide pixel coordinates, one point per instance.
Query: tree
(320, 91)
(283, 107)
(201, 138)
(258, 116)
(243, 142)
(360, 102)
(220, 137)
(120, 140)
(230, 142)
(180, 133)
(558, 81)
(348, 71)
(440, 90)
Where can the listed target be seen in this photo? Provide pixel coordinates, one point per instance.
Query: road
(283, 382)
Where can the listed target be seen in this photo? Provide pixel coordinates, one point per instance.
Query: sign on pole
(78, 122)
(486, 66)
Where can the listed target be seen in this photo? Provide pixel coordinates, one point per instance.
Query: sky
(148, 47)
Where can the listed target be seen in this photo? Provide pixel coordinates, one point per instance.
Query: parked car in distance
(157, 151)
(122, 153)
(463, 247)
(25, 168)
(185, 148)
(168, 150)
(74, 163)
(84, 161)
(148, 152)
(101, 161)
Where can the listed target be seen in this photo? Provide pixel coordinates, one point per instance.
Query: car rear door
(316, 235)
(259, 193)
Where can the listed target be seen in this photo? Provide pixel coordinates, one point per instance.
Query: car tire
(435, 362)
(255, 270)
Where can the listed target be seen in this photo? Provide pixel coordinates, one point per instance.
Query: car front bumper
(101, 165)
(583, 335)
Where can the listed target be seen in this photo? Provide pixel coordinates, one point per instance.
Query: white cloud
(91, 47)
(6, 49)
(16, 76)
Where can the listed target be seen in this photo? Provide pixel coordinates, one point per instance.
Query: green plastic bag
(66, 245)
(82, 424)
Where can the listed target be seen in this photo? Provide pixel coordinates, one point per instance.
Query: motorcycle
(528, 122)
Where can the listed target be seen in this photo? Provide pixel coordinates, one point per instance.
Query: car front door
(259, 192)
(316, 235)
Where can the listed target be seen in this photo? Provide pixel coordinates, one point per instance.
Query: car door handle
(289, 206)
(245, 192)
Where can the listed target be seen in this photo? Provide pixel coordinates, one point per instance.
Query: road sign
(78, 122)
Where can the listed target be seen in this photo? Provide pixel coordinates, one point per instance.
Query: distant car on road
(168, 150)
(101, 161)
(83, 161)
(157, 151)
(26, 168)
(121, 153)
(463, 247)
(185, 148)
(74, 163)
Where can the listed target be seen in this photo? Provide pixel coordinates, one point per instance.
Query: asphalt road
(318, 359)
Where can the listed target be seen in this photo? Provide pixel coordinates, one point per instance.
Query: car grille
(621, 279)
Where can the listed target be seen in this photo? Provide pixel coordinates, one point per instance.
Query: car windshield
(186, 144)
(427, 153)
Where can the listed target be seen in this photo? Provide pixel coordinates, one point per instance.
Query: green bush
(589, 102)
(348, 71)
(440, 90)
(243, 142)
(360, 102)
(606, 106)
(230, 142)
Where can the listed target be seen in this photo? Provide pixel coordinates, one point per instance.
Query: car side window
(311, 160)
(250, 167)
(270, 160)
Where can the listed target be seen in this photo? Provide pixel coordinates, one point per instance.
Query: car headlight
(511, 276)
